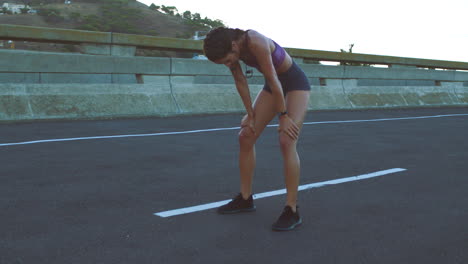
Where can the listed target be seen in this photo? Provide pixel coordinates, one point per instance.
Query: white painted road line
(217, 129)
(116, 136)
(208, 206)
(384, 119)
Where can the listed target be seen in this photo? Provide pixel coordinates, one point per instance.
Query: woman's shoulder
(256, 37)
(254, 34)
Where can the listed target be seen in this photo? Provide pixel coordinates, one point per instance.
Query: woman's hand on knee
(289, 127)
(248, 123)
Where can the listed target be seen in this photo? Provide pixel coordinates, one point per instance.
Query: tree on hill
(24, 10)
(170, 10)
(6, 11)
(188, 16)
(154, 7)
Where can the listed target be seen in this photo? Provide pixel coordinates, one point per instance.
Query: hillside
(133, 18)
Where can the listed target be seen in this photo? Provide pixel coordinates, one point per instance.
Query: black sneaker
(288, 220)
(238, 205)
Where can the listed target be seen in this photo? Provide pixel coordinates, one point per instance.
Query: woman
(286, 94)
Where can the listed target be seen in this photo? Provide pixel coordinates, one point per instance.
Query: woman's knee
(286, 142)
(246, 137)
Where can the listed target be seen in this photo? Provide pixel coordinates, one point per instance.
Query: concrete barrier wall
(37, 86)
(76, 101)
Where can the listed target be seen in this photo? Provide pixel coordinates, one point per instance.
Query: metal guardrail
(72, 63)
(67, 36)
(377, 59)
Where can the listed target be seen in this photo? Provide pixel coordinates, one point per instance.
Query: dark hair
(218, 42)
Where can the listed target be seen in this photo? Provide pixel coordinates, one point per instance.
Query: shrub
(50, 15)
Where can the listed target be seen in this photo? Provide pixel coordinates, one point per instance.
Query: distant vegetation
(120, 16)
(50, 15)
(117, 16)
(188, 16)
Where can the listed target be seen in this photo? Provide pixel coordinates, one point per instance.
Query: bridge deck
(77, 199)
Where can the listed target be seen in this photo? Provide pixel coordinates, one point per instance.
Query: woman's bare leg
(296, 104)
(264, 113)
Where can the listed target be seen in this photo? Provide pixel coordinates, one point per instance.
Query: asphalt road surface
(88, 191)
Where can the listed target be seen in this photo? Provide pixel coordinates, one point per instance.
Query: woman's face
(231, 58)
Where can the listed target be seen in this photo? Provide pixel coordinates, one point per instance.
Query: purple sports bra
(277, 56)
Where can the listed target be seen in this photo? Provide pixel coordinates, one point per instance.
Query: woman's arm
(260, 47)
(244, 92)
(242, 88)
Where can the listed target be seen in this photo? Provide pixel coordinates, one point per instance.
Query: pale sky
(429, 29)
